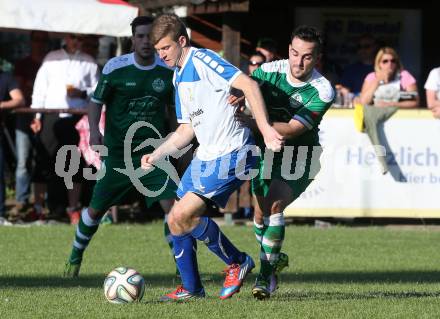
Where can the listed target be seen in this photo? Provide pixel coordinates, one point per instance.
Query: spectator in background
(255, 60)
(432, 87)
(10, 97)
(385, 90)
(268, 48)
(389, 84)
(90, 45)
(25, 72)
(354, 74)
(65, 80)
(327, 69)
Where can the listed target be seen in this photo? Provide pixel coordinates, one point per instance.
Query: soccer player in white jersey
(202, 81)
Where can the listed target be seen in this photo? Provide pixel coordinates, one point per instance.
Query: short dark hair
(268, 44)
(141, 20)
(309, 34)
(168, 24)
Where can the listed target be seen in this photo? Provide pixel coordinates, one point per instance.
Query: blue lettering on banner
(404, 156)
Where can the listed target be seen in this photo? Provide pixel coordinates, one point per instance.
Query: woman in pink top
(389, 84)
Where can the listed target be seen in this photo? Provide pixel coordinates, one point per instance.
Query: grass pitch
(334, 273)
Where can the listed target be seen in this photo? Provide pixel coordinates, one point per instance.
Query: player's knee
(176, 219)
(180, 219)
(172, 222)
(170, 218)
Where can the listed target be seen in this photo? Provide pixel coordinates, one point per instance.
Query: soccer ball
(124, 285)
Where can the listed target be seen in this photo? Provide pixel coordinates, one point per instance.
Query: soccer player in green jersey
(135, 88)
(297, 96)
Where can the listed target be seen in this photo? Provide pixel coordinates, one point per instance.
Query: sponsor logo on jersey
(130, 83)
(196, 113)
(295, 101)
(158, 85)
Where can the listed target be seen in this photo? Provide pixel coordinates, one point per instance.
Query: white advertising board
(351, 183)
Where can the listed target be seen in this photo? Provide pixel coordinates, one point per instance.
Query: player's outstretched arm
(94, 114)
(272, 138)
(173, 144)
(292, 129)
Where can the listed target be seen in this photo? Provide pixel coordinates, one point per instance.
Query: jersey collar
(188, 55)
(144, 67)
(298, 85)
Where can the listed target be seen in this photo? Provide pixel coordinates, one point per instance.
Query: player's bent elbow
(244, 83)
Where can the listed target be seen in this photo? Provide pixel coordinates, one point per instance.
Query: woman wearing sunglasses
(389, 84)
(255, 61)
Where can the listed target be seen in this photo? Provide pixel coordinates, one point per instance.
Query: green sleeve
(103, 89)
(311, 114)
(258, 75)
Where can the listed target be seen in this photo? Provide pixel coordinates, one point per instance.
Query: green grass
(335, 273)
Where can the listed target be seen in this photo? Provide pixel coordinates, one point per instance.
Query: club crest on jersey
(158, 85)
(295, 101)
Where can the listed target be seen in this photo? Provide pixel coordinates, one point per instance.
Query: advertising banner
(351, 182)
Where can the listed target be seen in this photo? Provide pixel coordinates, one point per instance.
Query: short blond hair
(390, 51)
(168, 24)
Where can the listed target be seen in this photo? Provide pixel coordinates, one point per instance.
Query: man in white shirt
(224, 158)
(65, 80)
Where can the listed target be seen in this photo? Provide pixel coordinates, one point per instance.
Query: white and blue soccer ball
(124, 285)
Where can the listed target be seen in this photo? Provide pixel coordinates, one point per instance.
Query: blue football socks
(209, 232)
(185, 250)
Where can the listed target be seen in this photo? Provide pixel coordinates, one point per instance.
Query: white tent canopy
(104, 17)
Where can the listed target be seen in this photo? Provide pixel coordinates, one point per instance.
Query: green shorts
(298, 175)
(115, 187)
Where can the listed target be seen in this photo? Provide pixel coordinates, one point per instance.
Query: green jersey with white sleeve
(133, 93)
(306, 102)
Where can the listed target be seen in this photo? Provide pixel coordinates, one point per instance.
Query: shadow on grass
(165, 280)
(335, 295)
(404, 276)
(85, 281)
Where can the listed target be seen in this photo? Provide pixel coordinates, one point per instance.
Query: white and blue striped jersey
(203, 86)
